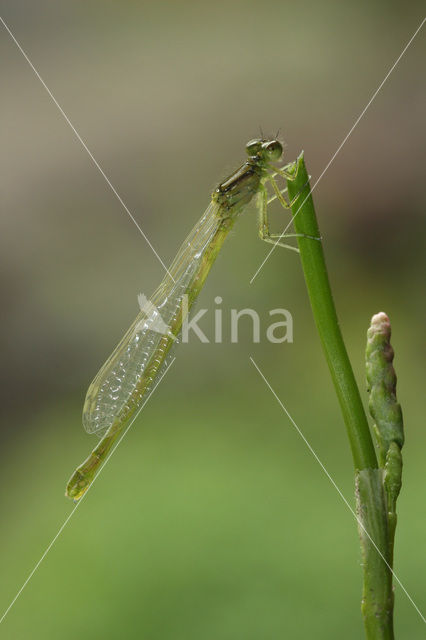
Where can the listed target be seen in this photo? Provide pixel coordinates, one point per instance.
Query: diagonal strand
(68, 518)
(86, 148)
(336, 487)
(345, 139)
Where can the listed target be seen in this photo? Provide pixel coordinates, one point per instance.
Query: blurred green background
(212, 521)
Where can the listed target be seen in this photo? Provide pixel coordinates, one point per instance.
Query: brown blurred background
(212, 521)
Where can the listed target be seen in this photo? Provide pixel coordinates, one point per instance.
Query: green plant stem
(377, 597)
(324, 311)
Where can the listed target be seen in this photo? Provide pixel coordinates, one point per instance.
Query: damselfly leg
(264, 201)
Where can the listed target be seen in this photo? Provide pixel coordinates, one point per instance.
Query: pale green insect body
(122, 382)
(111, 394)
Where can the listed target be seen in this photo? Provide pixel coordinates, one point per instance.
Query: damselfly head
(267, 150)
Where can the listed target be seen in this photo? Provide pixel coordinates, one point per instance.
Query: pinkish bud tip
(381, 323)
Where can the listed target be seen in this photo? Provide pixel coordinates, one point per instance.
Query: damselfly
(117, 391)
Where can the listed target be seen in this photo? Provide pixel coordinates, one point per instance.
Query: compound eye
(273, 149)
(253, 147)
